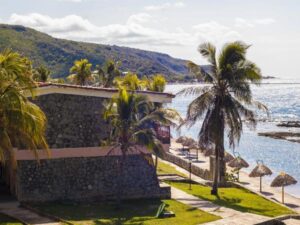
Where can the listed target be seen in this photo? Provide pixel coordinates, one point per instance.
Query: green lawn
(236, 198)
(6, 220)
(164, 168)
(132, 213)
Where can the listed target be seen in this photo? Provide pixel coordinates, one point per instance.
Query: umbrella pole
(260, 183)
(282, 194)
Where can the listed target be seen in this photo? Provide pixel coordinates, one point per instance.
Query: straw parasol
(181, 139)
(259, 171)
(208, 152)
(228, 157)
(282, 180)
(238, 163)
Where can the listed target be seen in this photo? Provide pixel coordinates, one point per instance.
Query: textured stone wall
(203, 173)
(73, 120)
(87, 179)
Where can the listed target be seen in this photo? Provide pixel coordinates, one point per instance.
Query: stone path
(12, 208)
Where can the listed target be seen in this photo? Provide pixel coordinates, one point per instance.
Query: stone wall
(73, 120)
(203, 173)
(87, 179)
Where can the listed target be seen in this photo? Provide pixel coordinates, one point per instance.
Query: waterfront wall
(203, 173)
(88, 179)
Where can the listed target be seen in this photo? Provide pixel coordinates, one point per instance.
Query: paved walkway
(12, 208)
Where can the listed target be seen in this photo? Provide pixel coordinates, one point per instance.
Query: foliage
(129, 115)
(22, 122)
(156, 83)
(82, 73)
(138, 212)
(106, 75)
(237, 198)
(225, 103)
(58, 54)
(131, 82)
(41, 74)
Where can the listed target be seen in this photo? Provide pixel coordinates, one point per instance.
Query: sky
(175, 27)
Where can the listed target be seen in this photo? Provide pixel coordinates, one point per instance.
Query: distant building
(78, 169)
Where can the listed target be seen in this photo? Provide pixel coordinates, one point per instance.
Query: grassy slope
(132, 213)
(236, 198)
(5, 220)
(59, 54)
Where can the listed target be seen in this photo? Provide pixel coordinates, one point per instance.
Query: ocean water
(283, 100)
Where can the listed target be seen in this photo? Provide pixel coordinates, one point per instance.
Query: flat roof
(54, 88)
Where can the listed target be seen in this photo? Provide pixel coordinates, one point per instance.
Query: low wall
(87, 179)
(203, 173)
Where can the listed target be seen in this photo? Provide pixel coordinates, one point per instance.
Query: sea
(282, 97)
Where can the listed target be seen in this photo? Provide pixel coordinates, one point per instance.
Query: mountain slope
(58, 54)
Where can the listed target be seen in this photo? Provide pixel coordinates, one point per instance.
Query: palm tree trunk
(156, 163)
(121, 163)
(222, 164)
(214, 190)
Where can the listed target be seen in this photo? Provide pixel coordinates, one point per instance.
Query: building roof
(54, 88)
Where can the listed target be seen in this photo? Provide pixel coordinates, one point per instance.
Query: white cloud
(243, 23)
(240, 22)
(215, 32)
(134, 31)
(164, 6)
(265, 21)
(70, 0)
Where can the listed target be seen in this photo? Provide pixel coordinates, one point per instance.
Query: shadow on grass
(131, 212)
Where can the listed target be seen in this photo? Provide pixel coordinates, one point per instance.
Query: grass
(6, 220)
(237, 198)
(164, 168)
(138, 212)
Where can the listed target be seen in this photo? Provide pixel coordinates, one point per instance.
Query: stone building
(78, 169)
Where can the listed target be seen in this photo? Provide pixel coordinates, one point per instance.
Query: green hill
(58, 54)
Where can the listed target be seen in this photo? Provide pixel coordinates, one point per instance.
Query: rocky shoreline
(288, 136)
(295, 124)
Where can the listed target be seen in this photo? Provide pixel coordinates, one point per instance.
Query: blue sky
(175, 27)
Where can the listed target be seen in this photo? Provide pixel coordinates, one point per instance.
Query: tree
(130, 81)
(22, 123)
(225, 102)
(105, 75)
(81, 72)
(129, 116)
(41, 74)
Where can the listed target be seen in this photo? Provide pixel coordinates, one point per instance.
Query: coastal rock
(289, 124)
(289, 136)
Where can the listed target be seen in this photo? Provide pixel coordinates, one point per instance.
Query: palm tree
(129, 115)
(130, 81)
(81, 72)
(22, 123)
(224, 103)
(41, 74)
(105, 75)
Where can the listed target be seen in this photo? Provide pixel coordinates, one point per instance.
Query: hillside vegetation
(58, 54)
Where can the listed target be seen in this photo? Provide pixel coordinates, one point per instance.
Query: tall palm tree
(129, 115)
(81, 72)
(22, 123)
(41, 74)
(105, 75)
(225, 102)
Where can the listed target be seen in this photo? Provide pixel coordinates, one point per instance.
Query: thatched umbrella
(194, 145)
(181, 139)
(282, 180)
(238, 163)
(228, 157)
(259, 171)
